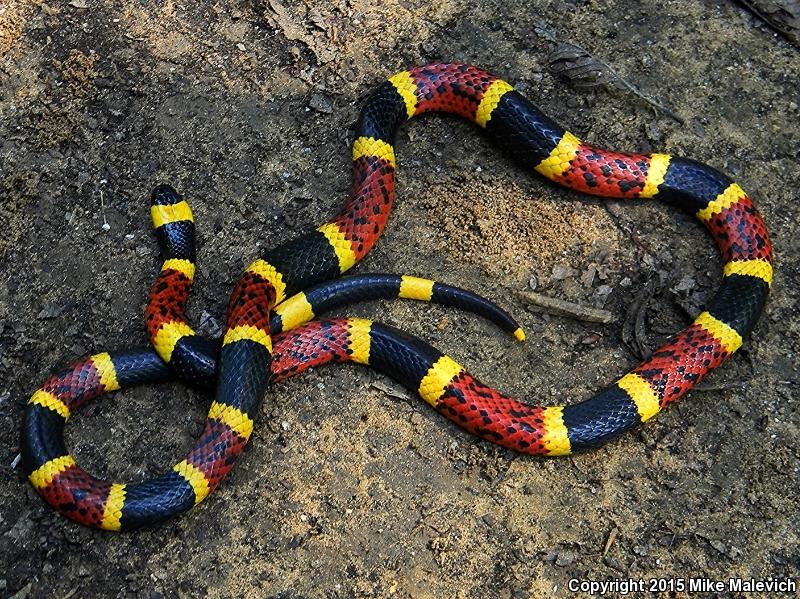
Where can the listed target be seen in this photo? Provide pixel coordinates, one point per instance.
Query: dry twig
(565, 308)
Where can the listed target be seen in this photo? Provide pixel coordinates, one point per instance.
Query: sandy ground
(346, 490)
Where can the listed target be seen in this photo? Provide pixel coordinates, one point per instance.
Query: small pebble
(592, 339)
(719, 546)
(50, 311)
(209, 325)
(587, 278)
(561, 272)
(686, 284)
(565, 558)
(295, 542)
(604, 290)
(612, 562)
(321, 104)
(653, 132)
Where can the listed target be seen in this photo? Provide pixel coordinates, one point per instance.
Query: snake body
(248, 357)
(193, 358)
(77, 494)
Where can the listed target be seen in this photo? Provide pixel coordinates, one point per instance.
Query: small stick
(106, 226)
(389, 391)
(565, 308)
(612, 536)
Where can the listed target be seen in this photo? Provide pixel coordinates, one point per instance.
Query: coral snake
(250, 356)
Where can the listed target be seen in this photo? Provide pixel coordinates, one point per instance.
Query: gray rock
(321, 104)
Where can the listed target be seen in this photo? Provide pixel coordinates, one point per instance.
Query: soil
(348, 490)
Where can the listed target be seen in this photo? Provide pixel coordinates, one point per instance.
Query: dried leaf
(293, 30)
(317, 18)
(633, 329)
(79, 4)
(576, 65)
(584, 71)
(285, 20)
(781, 15)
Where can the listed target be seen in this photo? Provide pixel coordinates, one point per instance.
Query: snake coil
(250, 356)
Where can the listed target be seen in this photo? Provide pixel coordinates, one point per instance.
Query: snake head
(164, 195)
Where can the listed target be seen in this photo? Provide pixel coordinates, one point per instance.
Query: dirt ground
(351, 487)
